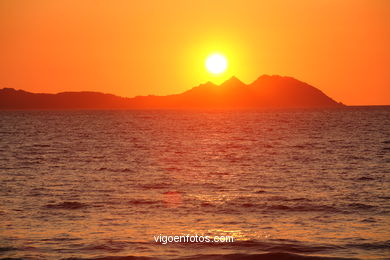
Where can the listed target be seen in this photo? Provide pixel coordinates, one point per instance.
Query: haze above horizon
(159, 47)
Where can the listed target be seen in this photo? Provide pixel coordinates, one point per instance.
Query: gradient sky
(142, 47)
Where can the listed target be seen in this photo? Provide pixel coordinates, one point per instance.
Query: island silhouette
(265, 92)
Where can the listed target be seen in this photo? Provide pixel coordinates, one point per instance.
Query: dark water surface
(283, 183)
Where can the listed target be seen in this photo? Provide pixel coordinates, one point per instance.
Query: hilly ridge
(265, 92)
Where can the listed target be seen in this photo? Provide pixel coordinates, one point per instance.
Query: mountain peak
(233, 81)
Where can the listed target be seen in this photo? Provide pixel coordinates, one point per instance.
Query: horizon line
(201, 84)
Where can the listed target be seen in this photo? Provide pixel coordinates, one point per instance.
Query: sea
(283, 183)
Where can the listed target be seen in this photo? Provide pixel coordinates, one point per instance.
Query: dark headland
(265, 92)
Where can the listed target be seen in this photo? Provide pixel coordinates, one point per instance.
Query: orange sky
(142, 47)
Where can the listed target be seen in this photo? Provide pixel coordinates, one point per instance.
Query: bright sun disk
(216, 63)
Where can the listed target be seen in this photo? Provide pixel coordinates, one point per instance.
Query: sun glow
(216, 63)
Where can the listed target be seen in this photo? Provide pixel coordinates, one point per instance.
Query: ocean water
(284, 183)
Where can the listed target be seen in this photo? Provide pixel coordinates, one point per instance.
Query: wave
(364, 178)
(143, 202)
(360, 206)
(5, 249)
(156, 186)
(233, 206)
(67, 205)
(283, 204)
(274, 249)
(372, 246)
(274, 246)
(266, 256)
(282, 246)
(119, 170)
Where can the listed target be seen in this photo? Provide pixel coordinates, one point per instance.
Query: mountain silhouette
(265, 92)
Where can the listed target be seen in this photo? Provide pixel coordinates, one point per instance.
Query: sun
(216, 63)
